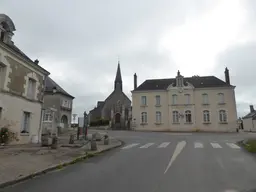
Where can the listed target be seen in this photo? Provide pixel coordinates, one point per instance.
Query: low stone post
(54, 142)
(93, 143)
(106, 140)
(71, 139)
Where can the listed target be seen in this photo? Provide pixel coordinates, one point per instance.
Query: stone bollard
(93, 143)
(71, 139)
(106, 140)
(54, 142)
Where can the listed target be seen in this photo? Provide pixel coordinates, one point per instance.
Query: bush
(4, 135)
(101, 122)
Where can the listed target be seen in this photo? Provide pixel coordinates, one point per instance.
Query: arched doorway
(64, 120)
(118, 118)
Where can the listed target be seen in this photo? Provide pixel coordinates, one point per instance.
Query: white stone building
(195, 103)
(21, 87)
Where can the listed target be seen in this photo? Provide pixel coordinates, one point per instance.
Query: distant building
(185, 104)
(116, 107)
(21, 87)
(249, 120)
(62, 101)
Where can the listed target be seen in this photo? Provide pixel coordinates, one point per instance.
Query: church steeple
(118, 80)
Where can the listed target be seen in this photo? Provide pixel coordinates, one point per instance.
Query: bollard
(106, 140)
(54, 142)
(93, 145)
(71, 139)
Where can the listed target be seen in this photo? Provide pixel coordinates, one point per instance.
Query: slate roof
(250, 115)
(196, 81)
(50, 84)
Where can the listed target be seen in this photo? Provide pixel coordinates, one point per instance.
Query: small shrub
(4, 135)
(101, 122)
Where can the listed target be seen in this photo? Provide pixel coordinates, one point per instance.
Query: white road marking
(130, 146)
(233, 146)
(163, 145)
(215, 145)
(147, 145)
(177, 151)
(198, 145)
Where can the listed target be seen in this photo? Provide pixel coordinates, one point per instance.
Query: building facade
(21, 87)
(249, 120)
(55, 97)
(185, 104)
(116, 108)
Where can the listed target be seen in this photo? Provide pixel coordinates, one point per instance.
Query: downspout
(42, 113)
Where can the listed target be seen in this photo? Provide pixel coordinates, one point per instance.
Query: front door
(118, 121)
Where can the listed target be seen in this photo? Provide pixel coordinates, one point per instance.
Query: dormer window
(179, 80)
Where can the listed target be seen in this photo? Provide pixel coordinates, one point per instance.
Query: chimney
(36, 61)
(227, 76)
(251, 108)
(135, 80)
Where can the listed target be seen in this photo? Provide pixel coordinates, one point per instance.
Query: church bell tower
(118, 81)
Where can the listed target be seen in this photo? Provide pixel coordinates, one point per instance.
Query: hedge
(100, 122)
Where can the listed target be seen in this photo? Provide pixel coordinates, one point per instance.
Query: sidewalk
(25, 161)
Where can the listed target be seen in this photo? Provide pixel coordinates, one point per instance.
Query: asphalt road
(157, 162)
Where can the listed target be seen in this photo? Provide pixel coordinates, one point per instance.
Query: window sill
(188, 123)
(221, 103)
(158, 105)
(205, 104)
(24, 134)
(143, 124)
(176, 123)
(206, 123)
(223, 122)
(158, 123)
(143, 105)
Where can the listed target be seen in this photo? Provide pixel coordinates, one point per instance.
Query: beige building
(249, 120)
(185, 104)
(21, 87)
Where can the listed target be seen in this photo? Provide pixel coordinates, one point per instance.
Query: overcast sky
(79, 42)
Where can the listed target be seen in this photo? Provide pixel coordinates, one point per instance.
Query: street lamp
(85, 124)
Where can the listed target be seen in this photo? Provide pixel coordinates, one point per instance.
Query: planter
(46, 141)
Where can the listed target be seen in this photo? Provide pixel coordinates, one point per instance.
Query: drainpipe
(42, 112)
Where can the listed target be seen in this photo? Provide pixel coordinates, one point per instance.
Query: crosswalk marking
(166, 144)
(163, 145)
(198, 145)
(232, 145)
(215, 145)
(147, 145)
(130, 146)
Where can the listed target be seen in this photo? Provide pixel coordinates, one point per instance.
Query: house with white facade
(197, 103)
(21, 87)
(249, 120)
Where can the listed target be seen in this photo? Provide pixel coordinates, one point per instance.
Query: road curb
(60, 165)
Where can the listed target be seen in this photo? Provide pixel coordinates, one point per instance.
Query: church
(116, 108)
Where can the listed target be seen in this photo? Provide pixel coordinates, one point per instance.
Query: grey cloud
(86, 37)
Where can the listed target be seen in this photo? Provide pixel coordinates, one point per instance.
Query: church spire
(118, 80)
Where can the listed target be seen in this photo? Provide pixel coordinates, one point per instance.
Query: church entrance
(117, 121)
(118, 118)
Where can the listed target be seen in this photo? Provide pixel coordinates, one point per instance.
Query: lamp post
(85, 124)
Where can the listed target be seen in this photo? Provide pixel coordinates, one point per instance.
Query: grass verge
(249, 145)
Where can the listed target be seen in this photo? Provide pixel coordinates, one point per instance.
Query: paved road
(157, 162)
